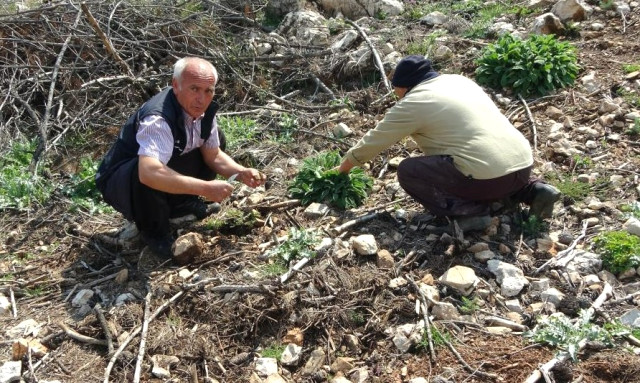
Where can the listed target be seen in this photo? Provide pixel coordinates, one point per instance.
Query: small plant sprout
(299, 244)
(619, 250)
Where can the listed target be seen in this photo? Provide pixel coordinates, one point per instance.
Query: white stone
(364, 244)
(572, 10)
(591, 279)
(445, 311)
(460, 278)
(419, 380)
(360, 375)
(27, 327)
(585, 262)
(484, 256)
(631, 318)
(342, 130)
(316, 210)
(266, 366)
(397, 282)
(510, 278)
(185, 274)
(632, 226)
(10, 372)
(552, 295)
(434, 18)
(124, 298)
(291, 354)
(82, 297)
(513, 305)
(5, 305)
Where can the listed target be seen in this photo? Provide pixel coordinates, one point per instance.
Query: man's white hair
(178, 68)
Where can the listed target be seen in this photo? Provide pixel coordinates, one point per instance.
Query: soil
(50, 253)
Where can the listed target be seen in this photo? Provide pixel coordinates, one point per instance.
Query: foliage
(632, 209)
(607, 4)
(557, 331)
(582, 162)
(532, 226)
(468, 306)
(19, 188)
(299, 244)
(82, 189)
(276, 267)
(629, 96)
(274, 351)
(232, 218)
(438, 337)
(425, 46)
(319, 181)
(287, 126)
(619, 250)
(571, 189)
(535, 66)
(356, 317)
(635, 129)
(237, 130)
(629, 68)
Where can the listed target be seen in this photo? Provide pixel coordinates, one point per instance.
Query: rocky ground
(83, 300)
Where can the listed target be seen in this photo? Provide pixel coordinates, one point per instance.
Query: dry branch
(375, 54)
(143, 338)
(79, 337)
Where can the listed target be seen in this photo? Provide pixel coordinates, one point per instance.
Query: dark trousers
(149, 208)
(441, 188)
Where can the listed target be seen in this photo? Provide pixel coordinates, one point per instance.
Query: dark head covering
(411, 71)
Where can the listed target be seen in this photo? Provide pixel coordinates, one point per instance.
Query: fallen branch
(533, 123)
(563, 356)
(376, 57)
(424, 307)
(564, 256)
(79, 337)
(277, 205)
(143, 338)
(14, 307)
(105, 327)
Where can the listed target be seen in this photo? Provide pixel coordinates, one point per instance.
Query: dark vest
(126, 147)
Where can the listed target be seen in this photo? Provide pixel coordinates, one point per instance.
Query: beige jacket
(451, 115)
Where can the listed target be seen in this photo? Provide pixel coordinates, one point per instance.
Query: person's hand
(251, 177)
(217, 191)
(345, 167)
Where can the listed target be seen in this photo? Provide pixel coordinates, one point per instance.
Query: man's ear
(175, 84)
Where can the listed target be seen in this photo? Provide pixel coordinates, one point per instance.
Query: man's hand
(345, 166)
(251, 177)
(217, 191)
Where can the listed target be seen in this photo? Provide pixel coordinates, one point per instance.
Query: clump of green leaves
(318, 181)
(619, 250)
(629, 68)
(632, 209)
(82, 189)
(273, 351)
(237, 130)
(287, 126)
(300, 243)
(532, 226)
(20, 188)
(468, 306)
(439, 338)
(558, 331)
(232, 219)
(535, 66)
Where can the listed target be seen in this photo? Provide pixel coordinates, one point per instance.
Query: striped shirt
(156, 140)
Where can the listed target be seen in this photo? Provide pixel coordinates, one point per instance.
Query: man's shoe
(159, 244)
(194, 206)
(544, 197)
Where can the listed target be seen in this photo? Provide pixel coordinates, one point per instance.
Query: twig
(623, 299)
(42, 145)
(277, 205)
(143, 338)
(424, 307)
(376, 57)
(562, 356)
(79, 337)
(99, 281)
(322, 86)
(14, 307)
(105, 40)
(533, 123)
(564, 256)
(135, 333)
(365, 218)
(105, 327)
(505, 323)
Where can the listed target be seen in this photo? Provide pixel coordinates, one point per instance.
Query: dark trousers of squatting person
(441, 188)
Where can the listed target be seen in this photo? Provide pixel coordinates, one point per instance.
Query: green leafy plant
(619, 250)
(82, 189)
(287, 126)
(557, 331)
(635, 129)
(582, 162)
(629, 96)
(532, 226)
(425, 46)
(439, 338)
(273, 351)
(276, 267)
(356, 317)
(299, 244)
(632, 209)
(606, 4)
(20, 188)
(318, 181)
(232, 219)
(468, 306)
(629, 68)
(535, 66)
(237, 130)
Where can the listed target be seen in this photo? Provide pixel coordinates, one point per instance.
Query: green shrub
(237, 130)
(317, 181)
(20, 188)
(82, 189)
(619, 250)
(532, 226)
(535, 66)
(299, 244)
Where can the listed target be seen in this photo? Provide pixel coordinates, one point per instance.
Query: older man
(472, 154)
(167, 156)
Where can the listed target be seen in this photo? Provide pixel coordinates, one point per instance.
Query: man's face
(195, 89)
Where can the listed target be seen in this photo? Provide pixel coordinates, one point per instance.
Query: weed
(35, 291)
(174, 320)
(274, 351)
(299, 244)
(535, 66)
(571, 189)
(345, 101)
(381, 15)
(635, 129)
(276, 267)
(468, 306)
(357, 318)
(424, 47)
(231, 219)
(237, 130)
(20, 188)
(439, 338)
(287, 127)
(629, 68)
(532, 226)
(619, 250)
(629, 96)
(581, 162)
(558, 331)
(82, 189)
(632, 209)
(319, 181)
(607, 4)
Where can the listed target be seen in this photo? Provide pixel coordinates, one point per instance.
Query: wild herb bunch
(535, 66)
(317, 181)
